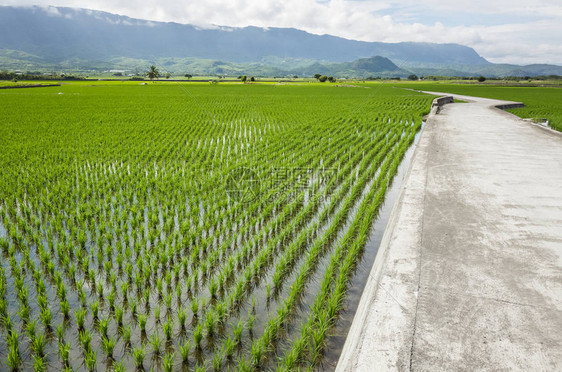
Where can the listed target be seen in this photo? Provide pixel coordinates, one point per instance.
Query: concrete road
(469, 274)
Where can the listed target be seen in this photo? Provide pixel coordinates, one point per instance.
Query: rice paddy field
(189, 226)
(541, 103)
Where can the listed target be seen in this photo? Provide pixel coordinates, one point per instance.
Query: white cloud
(52, 12)
(513, 31)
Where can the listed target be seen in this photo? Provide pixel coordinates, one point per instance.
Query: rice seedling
(290, 361)
(100, 291)
(184, 351)
(178, 291)
(157, 313)
(146, 296)
(217, 361)
(46, 317)
(155, 343)
(64, 353)
(142, 322)
(210, 322)
(250, 323)
(31, 329)
(95, 309)
(168, 327)
(108, 346)
(138, 356)
(133, 306)
(182, 315)
(7, 321)
(244, 365)
(111, 300)
(24, 313)
(124, 291)
(85, 340)
(258, 353)
(103, 326)
(198, 336)
(228, 348)
(168, 362)
(119, 316)
(39, 364)
(80, 315)
(65, 309)
(318, 336)
(38, 345)
(3, 308)
(237, 332)
(213, 288)
(13, 358)
(127, 335)
(194, 306)
(4, 245)
(60, 331)
(90, 360)
(82, 298)
(119, 367)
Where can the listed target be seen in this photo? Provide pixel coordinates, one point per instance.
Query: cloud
(533, 42)
(52, 11)
(514, 31)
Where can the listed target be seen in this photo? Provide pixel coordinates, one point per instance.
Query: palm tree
(153, 73)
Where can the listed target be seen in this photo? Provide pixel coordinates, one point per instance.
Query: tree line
(323, 78)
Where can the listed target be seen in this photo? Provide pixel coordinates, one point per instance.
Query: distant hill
(58, 33)
(68, 38)
(363, 68)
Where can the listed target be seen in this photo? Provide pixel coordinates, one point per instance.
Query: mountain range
(72, 39)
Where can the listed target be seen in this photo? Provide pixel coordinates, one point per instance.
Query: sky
(502, 31)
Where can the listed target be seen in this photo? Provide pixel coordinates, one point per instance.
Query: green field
(540, 102)
(11, 84)
(188, 226)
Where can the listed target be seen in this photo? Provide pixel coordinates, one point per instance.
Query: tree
(481, 79)
(317, 76)
(252, 79)
(168, 75)
(322, 78)
(331, 79)
(412, 77)
(243, 78)
(153, 73)
(189, 76)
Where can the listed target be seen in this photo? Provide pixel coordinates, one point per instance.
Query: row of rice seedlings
(283, 265)
(256, 347)
(275, 323)
(329, 300)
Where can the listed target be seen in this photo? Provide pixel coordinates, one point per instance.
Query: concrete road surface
(469, 274)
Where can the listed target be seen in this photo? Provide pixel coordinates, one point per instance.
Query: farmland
(540, 102)
(188, 226)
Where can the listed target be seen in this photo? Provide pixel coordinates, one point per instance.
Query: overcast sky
(503, 31)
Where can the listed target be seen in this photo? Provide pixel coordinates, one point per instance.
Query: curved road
(469, 274)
